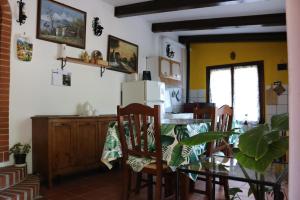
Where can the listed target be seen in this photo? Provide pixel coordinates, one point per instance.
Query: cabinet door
(176, 71)
(165, 67)
(87, 142)
(63, 145)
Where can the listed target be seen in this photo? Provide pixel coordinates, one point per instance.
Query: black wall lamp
(97, 28)
(22, 16)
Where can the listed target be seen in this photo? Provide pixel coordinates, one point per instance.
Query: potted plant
(257, 149)
(20, 151)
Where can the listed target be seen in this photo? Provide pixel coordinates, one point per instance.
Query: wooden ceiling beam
(205, 24)
(160, 6)
(243, 37)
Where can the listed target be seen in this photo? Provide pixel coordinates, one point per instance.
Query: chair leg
(127, 182)
(208, 186)
(138, 183)
(226, 188)
(150, 187)
(158, 186)
(170, 182)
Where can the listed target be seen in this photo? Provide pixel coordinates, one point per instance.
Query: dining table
(172, 132)
(229, 168)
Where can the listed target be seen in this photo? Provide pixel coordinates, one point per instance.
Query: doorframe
(261, 82)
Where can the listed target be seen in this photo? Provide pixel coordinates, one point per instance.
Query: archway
(5, 37)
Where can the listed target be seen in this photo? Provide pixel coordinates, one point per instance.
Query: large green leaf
(272, 136)
(166, 129)
(176, 158)
(166, 140)
(202, 138)
(275, 150)
(280, 122)
(253, 144)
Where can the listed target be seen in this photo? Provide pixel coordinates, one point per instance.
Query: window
(239, 86)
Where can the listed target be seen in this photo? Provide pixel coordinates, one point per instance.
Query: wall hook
(22, 16)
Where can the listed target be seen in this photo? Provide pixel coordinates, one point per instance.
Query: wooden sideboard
(67, 144)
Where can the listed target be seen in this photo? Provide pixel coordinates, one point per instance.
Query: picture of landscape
(61, 24)
(122, 55)
(24, 49)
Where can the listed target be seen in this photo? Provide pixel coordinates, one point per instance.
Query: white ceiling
(249, 7)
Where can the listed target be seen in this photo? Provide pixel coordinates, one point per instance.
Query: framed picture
(122, 55)
(60, 23)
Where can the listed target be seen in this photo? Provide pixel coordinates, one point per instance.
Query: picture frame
(122, 55)
(60, 23)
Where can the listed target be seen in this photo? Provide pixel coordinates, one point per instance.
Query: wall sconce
(97, 28)
(22, 16)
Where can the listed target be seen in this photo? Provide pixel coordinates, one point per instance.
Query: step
(11, 175)
(28, 189)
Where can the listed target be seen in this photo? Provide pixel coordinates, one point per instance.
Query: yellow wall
(209, 54)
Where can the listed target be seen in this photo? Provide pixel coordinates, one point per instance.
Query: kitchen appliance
(144, 92)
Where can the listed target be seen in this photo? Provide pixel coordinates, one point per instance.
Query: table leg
(184, 182)
(177, 185)
(276, 190)
(213, 192)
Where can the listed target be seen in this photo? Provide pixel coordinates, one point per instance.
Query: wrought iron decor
(97, 28)
(170, 52)
(22, 16)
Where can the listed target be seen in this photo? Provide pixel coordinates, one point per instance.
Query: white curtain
(220, 87)
(246, 94)
(246, 91)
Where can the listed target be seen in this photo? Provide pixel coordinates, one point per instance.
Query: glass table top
(229, 167)
(184, 121)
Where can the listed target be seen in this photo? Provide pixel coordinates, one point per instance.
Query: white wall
(31, 92)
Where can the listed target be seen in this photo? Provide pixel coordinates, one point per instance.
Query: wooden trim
(244, 37)
(261, 84)
(204, 24)
(38, 36)
(188, 71)
(160, 6)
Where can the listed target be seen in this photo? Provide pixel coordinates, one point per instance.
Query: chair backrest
(224, 118)
(206, 113)
(133, 121)
(224, 124)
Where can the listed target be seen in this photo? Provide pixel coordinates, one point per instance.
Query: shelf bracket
(102, 70)
(63, 63)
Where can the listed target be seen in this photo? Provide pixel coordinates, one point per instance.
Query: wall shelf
(102, 65)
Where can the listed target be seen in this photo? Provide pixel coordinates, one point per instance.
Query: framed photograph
(122, 55)
(60, 23)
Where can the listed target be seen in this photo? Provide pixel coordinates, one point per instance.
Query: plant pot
(20, 160)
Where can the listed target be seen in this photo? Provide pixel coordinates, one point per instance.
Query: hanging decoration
(169, 51)
(22, 16)
(97, 28)
(24, 48)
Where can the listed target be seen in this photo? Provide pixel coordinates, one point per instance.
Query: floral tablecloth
(173, 153)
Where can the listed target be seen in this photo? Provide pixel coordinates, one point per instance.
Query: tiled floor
(107, 185)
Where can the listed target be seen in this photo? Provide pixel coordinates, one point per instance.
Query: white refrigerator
(144, 92)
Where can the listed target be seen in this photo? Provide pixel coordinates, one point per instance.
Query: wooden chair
(224, 124)
(138, 117)
(221, 120)
(206, 113)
